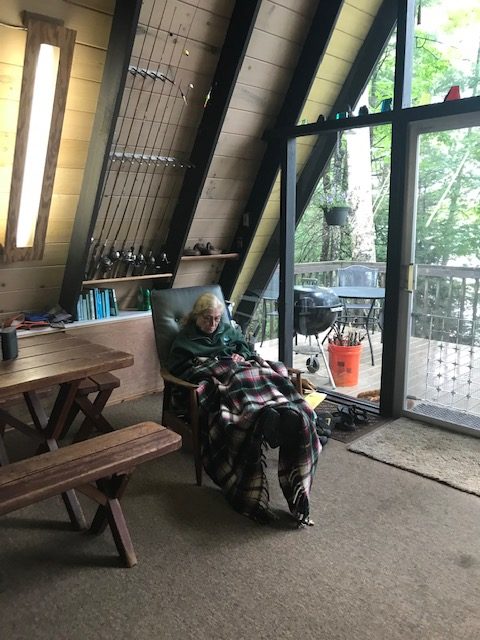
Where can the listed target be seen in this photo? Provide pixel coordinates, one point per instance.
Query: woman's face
(209, 320)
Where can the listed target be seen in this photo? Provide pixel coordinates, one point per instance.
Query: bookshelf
(107, 298)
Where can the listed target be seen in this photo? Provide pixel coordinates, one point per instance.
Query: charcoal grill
(315, 310)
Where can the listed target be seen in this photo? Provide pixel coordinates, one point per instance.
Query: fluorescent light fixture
(46, 73)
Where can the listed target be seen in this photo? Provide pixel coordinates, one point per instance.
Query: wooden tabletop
(53, 358)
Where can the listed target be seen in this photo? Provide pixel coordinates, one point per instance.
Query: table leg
(367, 323)
(52, 428)
(3, 451)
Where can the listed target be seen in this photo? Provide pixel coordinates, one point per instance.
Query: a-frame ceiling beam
(230, 61)
(353, 87)
(313, 49)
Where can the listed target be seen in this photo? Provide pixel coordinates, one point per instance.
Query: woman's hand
(236, 357)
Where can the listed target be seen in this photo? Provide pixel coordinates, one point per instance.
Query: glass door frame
(407, 257)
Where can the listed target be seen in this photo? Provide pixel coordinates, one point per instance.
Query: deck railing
(445, 292)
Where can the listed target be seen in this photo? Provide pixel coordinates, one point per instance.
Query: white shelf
(122, 316)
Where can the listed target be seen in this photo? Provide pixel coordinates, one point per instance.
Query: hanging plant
(337, 215)
(334, 198)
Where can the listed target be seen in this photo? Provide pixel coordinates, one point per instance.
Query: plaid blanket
(233, 447)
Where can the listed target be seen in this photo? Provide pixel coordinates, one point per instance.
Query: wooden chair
(169, 307)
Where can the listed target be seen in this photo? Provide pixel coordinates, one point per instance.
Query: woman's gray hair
(206, 302)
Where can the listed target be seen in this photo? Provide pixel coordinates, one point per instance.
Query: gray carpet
(448, 457)
(392, 555)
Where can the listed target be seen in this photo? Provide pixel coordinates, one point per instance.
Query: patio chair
(357, 311)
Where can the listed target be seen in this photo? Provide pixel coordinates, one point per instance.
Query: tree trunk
(360, 188)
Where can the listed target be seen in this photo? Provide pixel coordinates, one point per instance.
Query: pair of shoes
(343, 419)
(191, 252)
(348, 418)
(206, 249)
(269, 425)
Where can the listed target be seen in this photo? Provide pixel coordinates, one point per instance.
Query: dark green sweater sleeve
(191, 343)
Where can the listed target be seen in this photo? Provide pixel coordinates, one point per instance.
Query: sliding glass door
(441, 299)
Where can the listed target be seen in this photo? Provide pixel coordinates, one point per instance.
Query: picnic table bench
(99, 468)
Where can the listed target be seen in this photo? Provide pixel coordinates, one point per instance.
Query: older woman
(249, 403)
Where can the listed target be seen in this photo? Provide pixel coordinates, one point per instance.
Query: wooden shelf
(100, 281)
(220, 256)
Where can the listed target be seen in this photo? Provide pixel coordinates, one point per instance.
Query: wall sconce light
(46, 74)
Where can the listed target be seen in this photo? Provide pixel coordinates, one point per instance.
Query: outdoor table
(46, 360)
(362, 293)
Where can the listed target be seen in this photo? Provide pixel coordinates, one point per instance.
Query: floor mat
(448, 457)
(374, 422)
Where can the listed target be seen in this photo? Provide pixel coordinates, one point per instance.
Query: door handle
(411, 277)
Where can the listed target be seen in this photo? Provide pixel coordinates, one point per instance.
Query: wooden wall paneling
(83, 95)
(213, 209)
(16, 277)
(324, 91)
(10, 81)
(187, 21)
(59, 231)
(9, 112)
(28, 299)
(367, 6)
(88, 63)
(354, 20)
(240, 121)
(63, 206)
(13, 41)
(333, 69)
(344, 45)
(219, 227)
(72, 154)
(224, 189)
(171, 53)
(312, 110)
(143, 378)
(270, 47)
(238, 146)
(274, 18)
(255, 99)
(77, 125)
(158, 138)
(266, 75)
(229, 167)
(218, 7)
(68, 181)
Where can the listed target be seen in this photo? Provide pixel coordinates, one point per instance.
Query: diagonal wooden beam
(229, 64)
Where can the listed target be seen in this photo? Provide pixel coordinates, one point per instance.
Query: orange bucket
(344, 364)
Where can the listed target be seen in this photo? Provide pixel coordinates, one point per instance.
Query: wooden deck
(369, 377)
(443, 375)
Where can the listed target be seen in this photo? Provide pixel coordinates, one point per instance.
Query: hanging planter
(337, 216)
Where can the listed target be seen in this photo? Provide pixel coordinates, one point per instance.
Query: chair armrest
(168, 377)
(298, 378)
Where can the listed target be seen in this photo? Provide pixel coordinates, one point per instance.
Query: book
(113, 302)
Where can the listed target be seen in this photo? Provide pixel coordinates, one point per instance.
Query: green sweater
(192, 343)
